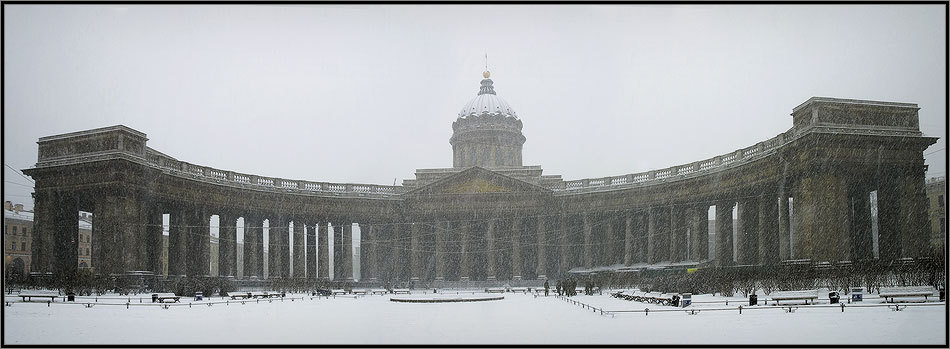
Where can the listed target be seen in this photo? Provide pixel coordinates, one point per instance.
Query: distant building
(85, 240)
(937, 202)
(17, 238)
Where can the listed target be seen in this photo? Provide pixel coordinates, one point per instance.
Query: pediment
(477, 180)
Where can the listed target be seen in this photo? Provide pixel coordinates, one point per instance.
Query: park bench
(401, 291)
(361, 292)
(519, 289)
(241, 295)
(652, 297)
(166, 297)
(890, 293)
(378, 291)
(495, 290)
(30, 295)
(664, 299)
(266, 295)
(807, 295)
(339, 291)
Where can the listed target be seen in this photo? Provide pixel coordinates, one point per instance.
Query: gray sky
(368, 94)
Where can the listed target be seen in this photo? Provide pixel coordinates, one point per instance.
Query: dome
(487, 102)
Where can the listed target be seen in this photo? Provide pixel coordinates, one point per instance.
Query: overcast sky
(368, 94)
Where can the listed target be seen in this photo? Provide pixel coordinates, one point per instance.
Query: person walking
(546, 286)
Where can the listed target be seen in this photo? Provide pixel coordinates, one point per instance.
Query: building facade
(491, 218)
(17, 240)
(937, 204)
(85, 241)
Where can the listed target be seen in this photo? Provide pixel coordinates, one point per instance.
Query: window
(939, 202)
(87, 251)
(23, 246)
(24, 231)
(13, 245)
(14, 230)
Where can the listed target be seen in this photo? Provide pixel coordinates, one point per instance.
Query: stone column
(337, 257)
(415, 251)
(608, 245)
(465, 262)
(516, 249)
(724, 233)
(227, 242)
(440, 232)
(628, 239)
(822, 215)
(862, 235)
(402, 241)
(784, 234)
(747, 231)
(43, 228)
(563, 242)
(250, 249)
(348, 252)
(652, 235)
(126, 226)
(323, 252)
(153, 239)
(368, 257)
(298, 265)
(768, 249)
(915, 221)
(312, 251)
(276, 229)
(284, 246)
(201, 243)
(542, 268)
(677, 234)
(588, 231)
(177, 241)
(699, 236)
(492, 254)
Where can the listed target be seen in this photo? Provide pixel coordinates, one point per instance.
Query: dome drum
(487, 132)
(487, 121)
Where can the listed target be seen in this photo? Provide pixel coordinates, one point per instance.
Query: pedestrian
(546, 286)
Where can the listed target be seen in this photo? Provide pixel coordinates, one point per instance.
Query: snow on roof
(22, 215)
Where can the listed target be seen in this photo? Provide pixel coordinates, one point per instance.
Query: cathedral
(489, 218)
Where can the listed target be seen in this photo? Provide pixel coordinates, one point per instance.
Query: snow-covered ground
(517, 319)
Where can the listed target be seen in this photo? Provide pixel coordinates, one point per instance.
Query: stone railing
(694, 169)
(180, 168)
